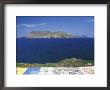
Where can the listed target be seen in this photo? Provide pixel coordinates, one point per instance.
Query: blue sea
(39, 50)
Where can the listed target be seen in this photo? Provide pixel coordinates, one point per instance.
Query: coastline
(72, 62)
(71, 66)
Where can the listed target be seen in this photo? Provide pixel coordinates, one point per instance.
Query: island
(50, 34)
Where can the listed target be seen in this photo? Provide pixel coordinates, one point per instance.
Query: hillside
(49, 34)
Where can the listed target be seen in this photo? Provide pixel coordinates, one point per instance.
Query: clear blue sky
(76, 25)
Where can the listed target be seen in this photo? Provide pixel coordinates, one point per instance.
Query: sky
(75, 25)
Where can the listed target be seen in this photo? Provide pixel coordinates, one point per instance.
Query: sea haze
(39, 50)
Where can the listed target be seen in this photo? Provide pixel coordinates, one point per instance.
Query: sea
(45, 50)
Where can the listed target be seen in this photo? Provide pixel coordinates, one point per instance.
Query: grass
(72, 62)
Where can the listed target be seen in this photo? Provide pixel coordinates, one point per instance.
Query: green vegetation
(73, 62)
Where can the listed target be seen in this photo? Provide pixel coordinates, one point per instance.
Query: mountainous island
(49, 34)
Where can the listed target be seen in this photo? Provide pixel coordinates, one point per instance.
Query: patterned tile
(56, 70)
(32, 70)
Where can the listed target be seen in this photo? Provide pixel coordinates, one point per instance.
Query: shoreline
(72, 62)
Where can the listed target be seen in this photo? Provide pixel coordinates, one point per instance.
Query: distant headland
(49, 34)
